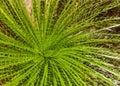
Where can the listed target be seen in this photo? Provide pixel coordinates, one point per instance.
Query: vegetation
(61, 43)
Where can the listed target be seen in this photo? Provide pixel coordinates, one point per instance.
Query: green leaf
(60, 43)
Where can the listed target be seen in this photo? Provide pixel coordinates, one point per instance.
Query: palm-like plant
(60, 44)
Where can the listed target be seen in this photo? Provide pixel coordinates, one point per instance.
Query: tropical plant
(62, 43)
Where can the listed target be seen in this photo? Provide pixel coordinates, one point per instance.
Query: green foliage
(62, 43)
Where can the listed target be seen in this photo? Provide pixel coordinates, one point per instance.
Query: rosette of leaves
(62, 43)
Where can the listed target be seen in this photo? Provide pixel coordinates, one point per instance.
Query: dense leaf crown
(58, 43)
